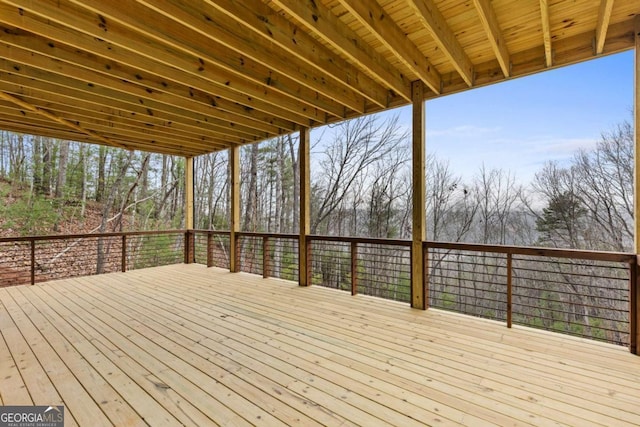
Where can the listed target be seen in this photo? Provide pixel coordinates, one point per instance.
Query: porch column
(304, 263)
(418, 298)
(234, 208)
(188, 194)
(634, 300)
(189, 239)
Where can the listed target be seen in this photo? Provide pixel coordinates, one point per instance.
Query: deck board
(187, 345)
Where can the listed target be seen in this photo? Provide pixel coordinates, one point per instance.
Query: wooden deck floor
(189, 345)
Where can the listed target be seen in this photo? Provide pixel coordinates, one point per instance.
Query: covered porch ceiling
(188, 77)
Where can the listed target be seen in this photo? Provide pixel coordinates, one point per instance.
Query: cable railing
(376, 267)
(33, 259)
(584, 293)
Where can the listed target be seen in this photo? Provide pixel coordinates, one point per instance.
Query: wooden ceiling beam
(162, 62)
(241, 54)
(134, 137)
(61, 120)
(490, 24)
(372, 16)
(21, 86)
(296, 53)
(319, 20)
(274, 27)
(604, 16)
(50, 56)
(546, 32)
(44, 68)
(33, 127)
(124, 125)
(434, 22)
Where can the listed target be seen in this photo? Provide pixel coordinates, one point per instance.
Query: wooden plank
(304, 163)
(546, 32)
(60, 120)
(317, 19)
(108, 399)
(387, 361)
(163, 366)
(183, 27)
(36, 53)
(158, 62)
(604, 17)
(372, 16)
(197, 381)
(134, 382)
(418, 297)
(431, 17)
(13, 390)
(38, 383)
(281, 310)
(286, 361)
(492, 28)
(295, 49)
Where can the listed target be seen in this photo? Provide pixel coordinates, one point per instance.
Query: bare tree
(357, 144)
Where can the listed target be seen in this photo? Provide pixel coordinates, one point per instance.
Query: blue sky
(520, 124)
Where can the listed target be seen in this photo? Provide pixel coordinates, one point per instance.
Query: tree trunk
(62, 169)
(102, 164)
(106, 209)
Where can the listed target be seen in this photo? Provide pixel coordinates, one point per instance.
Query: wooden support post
(188, 194)
(354, 268)
(634, 301)
(234, 226)
(304, 261)
(418, 299)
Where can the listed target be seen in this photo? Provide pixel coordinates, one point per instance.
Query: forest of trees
(361, 186)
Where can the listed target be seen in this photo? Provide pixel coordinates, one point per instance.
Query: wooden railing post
(425, 266)
(209, 249)
(354, 268)
(188, 246)
(266, 259)
(509, 288)
(634, 308)
(123, 260)
(33, 261)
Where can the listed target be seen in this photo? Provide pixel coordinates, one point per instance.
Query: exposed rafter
(604, 16)
(190, 77)
(375, 19)
(20, 103)
(434, 22)
(319, 20)
(46, 55)
(298, 46)
(546, 32)
(490, 24)
(119, 45)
